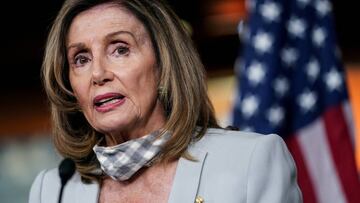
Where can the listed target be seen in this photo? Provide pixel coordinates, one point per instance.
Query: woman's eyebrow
(77, 46)
(108, 37)
(113, 34)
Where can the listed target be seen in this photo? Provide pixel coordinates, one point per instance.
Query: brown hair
(182, 84)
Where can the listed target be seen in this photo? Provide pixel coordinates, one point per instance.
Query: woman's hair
(182, 85)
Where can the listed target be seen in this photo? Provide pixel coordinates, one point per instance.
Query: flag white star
(313, 69)
(249, 106)
(307, 100)
(296, 27)
(256, 73)
(323, 7)
(303, 3)
(318, 36)
(333, 80)
(262, 42)
(281, 86)
(289, 56)
(270, 11)
(242, 30)
(275, 115)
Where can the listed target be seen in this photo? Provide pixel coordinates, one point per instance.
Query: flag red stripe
(304, 179)
(342, 152)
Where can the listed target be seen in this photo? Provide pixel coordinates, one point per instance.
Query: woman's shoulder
(47, 184)
(248, 161)
(237, 147)
(219, 139)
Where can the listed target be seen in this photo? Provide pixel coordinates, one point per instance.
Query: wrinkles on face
(111, 57)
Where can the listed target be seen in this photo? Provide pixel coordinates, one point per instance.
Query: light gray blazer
(231, 167)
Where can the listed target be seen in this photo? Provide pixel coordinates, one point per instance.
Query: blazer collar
(187, 178)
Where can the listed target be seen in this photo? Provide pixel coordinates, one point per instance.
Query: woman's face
(113, 72)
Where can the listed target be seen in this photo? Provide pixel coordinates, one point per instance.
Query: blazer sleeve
(35, 191)
(272, 173)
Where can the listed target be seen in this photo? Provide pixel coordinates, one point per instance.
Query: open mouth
(107, 99)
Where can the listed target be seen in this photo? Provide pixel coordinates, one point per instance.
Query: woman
(129, 106)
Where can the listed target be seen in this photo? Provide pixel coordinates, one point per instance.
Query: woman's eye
(122, 50)
(81, 60)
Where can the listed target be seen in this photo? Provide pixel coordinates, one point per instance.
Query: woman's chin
(112, 123)
(112, 129)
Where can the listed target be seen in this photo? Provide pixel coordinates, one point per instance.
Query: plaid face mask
(122, 161)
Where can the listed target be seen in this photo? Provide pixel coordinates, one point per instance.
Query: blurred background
(25, 146)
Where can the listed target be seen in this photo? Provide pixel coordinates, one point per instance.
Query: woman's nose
(101, 73)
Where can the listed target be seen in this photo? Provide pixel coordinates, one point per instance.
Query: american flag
(292, 82)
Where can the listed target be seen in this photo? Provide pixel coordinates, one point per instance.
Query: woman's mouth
(107, 102)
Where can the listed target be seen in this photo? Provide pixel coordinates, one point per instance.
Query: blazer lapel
(187, 178)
